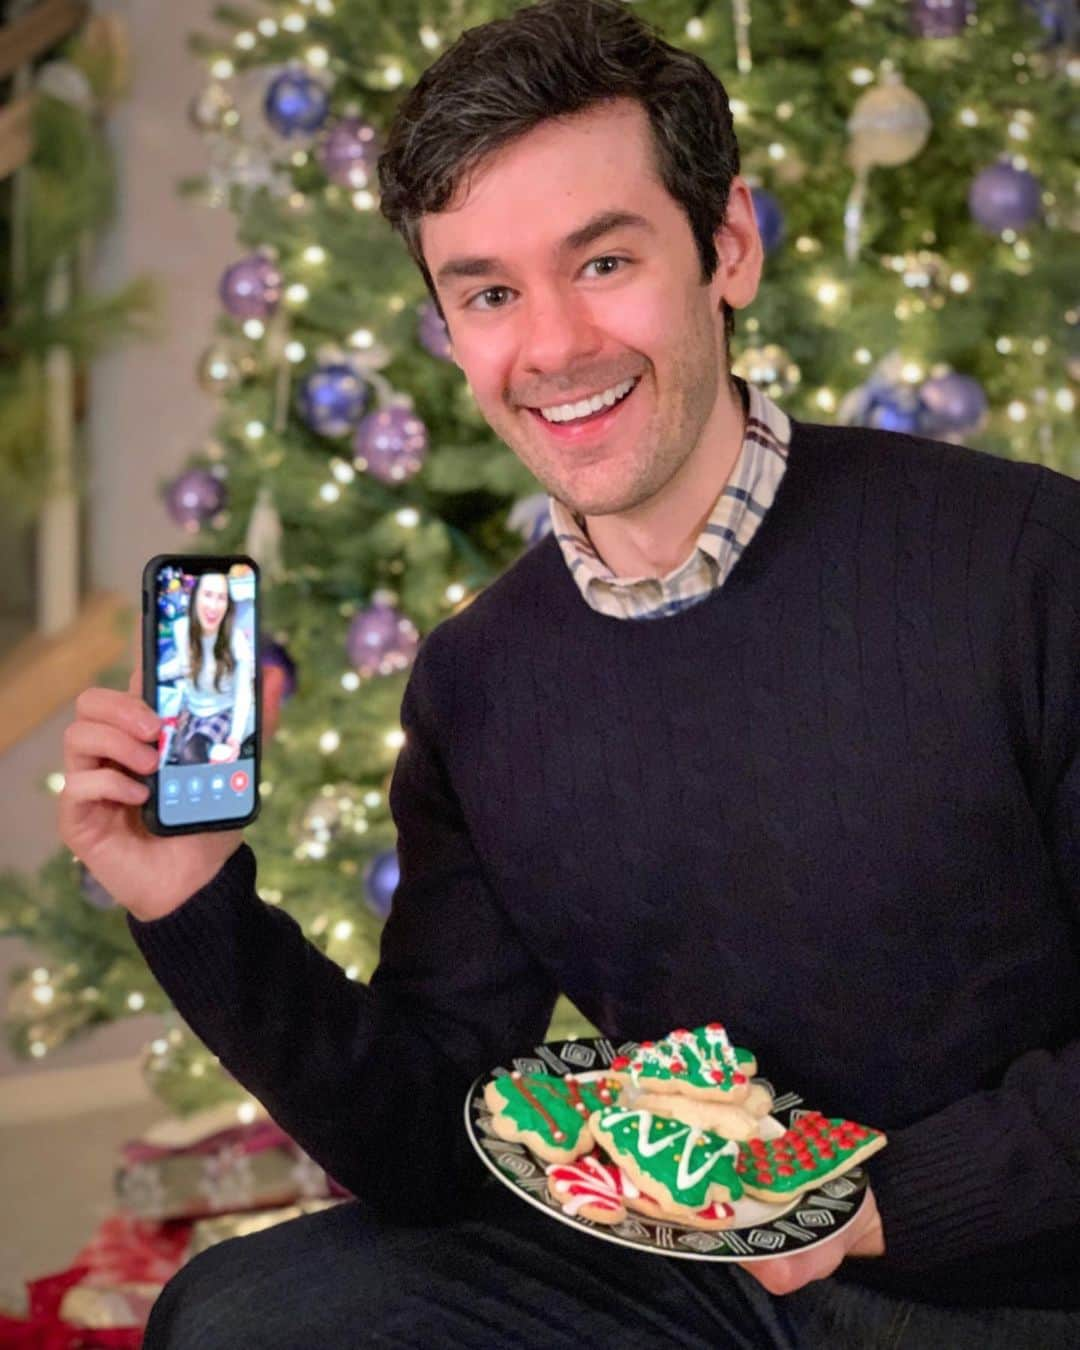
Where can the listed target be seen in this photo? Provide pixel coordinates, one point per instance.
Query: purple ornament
(940, 18)
(951, 402)
(381, 878)
(1004, 198)
(332, 399)
(1057, 18)
(381, 640)
(93, 891)
(251, 288)
(348, 153)
(296, 102)
(273, 654)
(433, 332)
(391, 445)
(770, 218)
(194, 498)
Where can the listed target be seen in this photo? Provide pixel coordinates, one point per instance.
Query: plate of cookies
(675, 1146)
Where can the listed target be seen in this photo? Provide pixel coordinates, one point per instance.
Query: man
(780, 728)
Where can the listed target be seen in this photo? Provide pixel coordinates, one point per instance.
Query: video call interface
(206, 663)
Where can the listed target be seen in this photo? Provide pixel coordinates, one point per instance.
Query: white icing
(688, 1136)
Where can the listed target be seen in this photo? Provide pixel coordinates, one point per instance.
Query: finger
(104, 785)
(117, 709)
(785, 1274)
(88, 744)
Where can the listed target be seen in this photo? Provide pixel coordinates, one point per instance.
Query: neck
(655, 538)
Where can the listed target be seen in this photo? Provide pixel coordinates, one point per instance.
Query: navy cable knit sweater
(835, 805)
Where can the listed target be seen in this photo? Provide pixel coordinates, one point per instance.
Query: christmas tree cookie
(701, 1063)
(683, 1168)
(549, 1115)
(811, 1152)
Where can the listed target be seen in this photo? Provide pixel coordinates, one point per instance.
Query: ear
(739, 250)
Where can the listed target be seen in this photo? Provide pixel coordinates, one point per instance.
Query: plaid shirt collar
(738, 512)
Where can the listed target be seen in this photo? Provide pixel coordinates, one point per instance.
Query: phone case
(196, 563)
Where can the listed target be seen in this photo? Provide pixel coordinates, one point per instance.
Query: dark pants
(511, 1276)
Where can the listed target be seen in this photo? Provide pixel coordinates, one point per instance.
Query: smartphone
(201, 632)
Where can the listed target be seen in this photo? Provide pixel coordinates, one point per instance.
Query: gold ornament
(889, 124)
(331, 813)
(213, 109)
(223, 366)
(768, 367)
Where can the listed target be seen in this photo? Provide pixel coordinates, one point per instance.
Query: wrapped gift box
(208, 1232)
(212, 1163)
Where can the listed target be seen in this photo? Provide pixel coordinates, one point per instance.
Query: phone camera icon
(239, 781)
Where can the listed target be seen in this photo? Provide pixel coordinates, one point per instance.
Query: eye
(491, 290)
(607, 258)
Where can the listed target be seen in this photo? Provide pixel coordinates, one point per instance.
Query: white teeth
(566, 412)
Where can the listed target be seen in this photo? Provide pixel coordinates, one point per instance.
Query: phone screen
(206, 627)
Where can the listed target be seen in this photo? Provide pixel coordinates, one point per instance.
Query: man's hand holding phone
(107, 749)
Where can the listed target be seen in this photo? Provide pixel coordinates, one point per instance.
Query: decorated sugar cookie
(683, 1167)
(733, 1122)
(811, 1152)
(549, 1115)
(602, 1191)
(715, 1216)
(701, 1063)
(594, 1189)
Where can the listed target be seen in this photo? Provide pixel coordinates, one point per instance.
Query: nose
(558, 334)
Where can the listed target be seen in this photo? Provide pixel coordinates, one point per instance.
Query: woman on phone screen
(214, 658)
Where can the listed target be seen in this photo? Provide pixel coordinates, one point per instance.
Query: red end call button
(239, 781)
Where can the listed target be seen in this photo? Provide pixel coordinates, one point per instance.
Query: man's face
(537, 322)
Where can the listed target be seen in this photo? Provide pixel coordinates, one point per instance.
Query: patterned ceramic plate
(760, 1232)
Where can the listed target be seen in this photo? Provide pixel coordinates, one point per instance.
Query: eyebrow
(602, 223)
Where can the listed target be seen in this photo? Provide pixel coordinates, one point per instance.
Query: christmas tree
(911, 175)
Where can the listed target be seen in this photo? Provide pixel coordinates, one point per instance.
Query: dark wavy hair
(553, 59)
(224, 661)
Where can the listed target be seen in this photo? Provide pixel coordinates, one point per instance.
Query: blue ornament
(332, 399)
(296, 103)
(274, 655)
(894, 411)
(381, 879)
(951, 402)
(1004, 198)
(770, 218)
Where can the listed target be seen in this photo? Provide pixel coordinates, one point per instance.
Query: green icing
(699, 1056)
(686, 1179)
(554, 1096)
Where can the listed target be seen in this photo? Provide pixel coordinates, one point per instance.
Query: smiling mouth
(573, 424)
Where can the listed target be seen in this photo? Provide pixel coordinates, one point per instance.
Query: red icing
(621, 1062)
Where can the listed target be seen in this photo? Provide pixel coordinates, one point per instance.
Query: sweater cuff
(934, 1191)
(194, 941)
